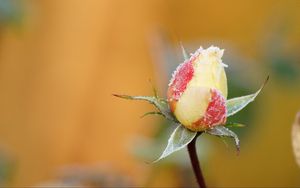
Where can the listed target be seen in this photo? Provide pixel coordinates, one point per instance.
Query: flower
(197, 98)
(197, 92)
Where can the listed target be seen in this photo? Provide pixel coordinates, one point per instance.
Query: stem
(195, 162)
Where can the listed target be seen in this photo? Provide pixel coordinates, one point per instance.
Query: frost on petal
(180, 78)
(213, 51)
(197, 53)
(208, 70)
(215, 112)
(189, 90)
(205, 55)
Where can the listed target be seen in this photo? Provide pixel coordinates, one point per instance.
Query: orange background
(60, 67)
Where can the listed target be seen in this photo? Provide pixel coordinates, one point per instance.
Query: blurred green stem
(195, 162)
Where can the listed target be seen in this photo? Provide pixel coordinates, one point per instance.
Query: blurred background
(60, 61)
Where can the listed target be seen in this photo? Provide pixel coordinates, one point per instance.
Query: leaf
(151, 113)
(222, 131)
(230, 124)
(180, 137)
(236, 104)
(185, 55)
(296, 138)
(160, 104)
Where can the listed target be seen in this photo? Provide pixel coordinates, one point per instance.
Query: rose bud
(198, 90)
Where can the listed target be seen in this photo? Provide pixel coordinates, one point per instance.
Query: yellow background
(59, 69)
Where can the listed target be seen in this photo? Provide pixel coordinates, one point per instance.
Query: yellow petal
(209, 70)
(192, 105)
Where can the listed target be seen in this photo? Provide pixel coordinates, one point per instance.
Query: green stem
(195, 162)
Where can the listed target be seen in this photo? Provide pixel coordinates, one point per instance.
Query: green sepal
(234, 105)
(160, 104)
(222, 131)
(180, 138)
